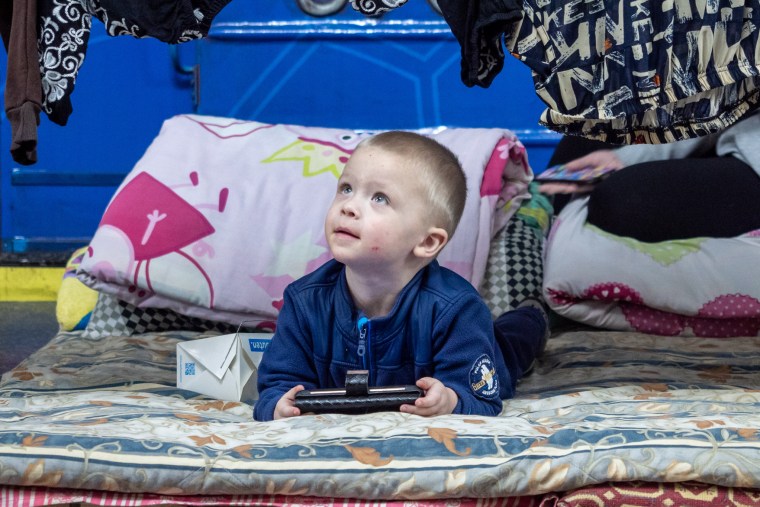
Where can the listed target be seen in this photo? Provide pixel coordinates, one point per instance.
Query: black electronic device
(357, 397)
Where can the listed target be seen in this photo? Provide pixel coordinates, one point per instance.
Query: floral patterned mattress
(105, 415)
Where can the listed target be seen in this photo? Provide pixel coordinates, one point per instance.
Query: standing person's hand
(438, 399)
(601, 158)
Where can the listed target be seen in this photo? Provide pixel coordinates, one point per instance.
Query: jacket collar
(349, 314)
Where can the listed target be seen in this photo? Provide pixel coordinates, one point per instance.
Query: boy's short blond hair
(438, 168)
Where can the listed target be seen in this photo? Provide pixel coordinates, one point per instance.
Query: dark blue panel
(274, 64)
(262, 60)
(124, 90)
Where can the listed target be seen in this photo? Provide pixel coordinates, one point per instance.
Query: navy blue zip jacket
(439, 327)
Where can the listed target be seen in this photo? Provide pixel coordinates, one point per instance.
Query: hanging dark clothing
(374, 8)
(618, 71)
(478, 26)
(23, 96)
(46, 41)
(65, 26)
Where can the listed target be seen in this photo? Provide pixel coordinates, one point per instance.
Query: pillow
(219, 215)
(692, 287)
(514, 271)
(112, 317)
(75, 300)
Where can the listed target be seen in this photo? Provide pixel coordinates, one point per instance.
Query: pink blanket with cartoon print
(219, 215)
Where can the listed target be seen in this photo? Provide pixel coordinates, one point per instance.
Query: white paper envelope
(222, 367)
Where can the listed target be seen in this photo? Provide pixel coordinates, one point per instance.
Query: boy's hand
(286, 406)
(438, 399)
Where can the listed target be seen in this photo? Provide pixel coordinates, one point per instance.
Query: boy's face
(379, 212)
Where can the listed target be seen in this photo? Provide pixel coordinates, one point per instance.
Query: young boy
(384, 304)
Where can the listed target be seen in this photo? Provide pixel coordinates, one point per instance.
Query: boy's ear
(429, 247)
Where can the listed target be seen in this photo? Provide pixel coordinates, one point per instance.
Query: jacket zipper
(364, 347)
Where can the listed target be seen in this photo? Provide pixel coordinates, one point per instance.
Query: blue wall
(124, 90)
(402, 71)
(266, 61)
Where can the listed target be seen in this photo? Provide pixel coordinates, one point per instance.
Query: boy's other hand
(286, 407)
(438, 399)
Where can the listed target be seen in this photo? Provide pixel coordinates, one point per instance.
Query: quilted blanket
(104, 414)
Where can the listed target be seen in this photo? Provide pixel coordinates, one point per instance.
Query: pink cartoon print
(326, 154)
(230, 129)
(149, 225)
(652, 321)
(494, 172)
(725, 316)
(274, 284)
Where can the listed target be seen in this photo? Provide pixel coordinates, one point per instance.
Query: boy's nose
(349, 209)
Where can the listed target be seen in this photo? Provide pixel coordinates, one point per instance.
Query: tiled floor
(24, 328)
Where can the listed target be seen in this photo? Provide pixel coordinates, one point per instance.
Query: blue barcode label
(189, 369)
(257, 344)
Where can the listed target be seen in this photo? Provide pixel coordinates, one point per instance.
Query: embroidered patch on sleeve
(483, 379)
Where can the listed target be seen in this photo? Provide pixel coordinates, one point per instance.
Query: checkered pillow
(514, 271)
(113, 317)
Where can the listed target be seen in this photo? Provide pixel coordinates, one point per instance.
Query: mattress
(104, 415)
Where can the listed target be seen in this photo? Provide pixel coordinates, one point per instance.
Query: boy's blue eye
(380, 198)
(344, 189)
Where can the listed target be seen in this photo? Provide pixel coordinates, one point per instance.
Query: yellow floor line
(29, 283)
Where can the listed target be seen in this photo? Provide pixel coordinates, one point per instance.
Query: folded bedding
(609, 494)
(230, 206)
(691, 287)
(600, 406)
(219, 214)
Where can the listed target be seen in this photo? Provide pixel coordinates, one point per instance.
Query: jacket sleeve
(465, 356)
(287, 361)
